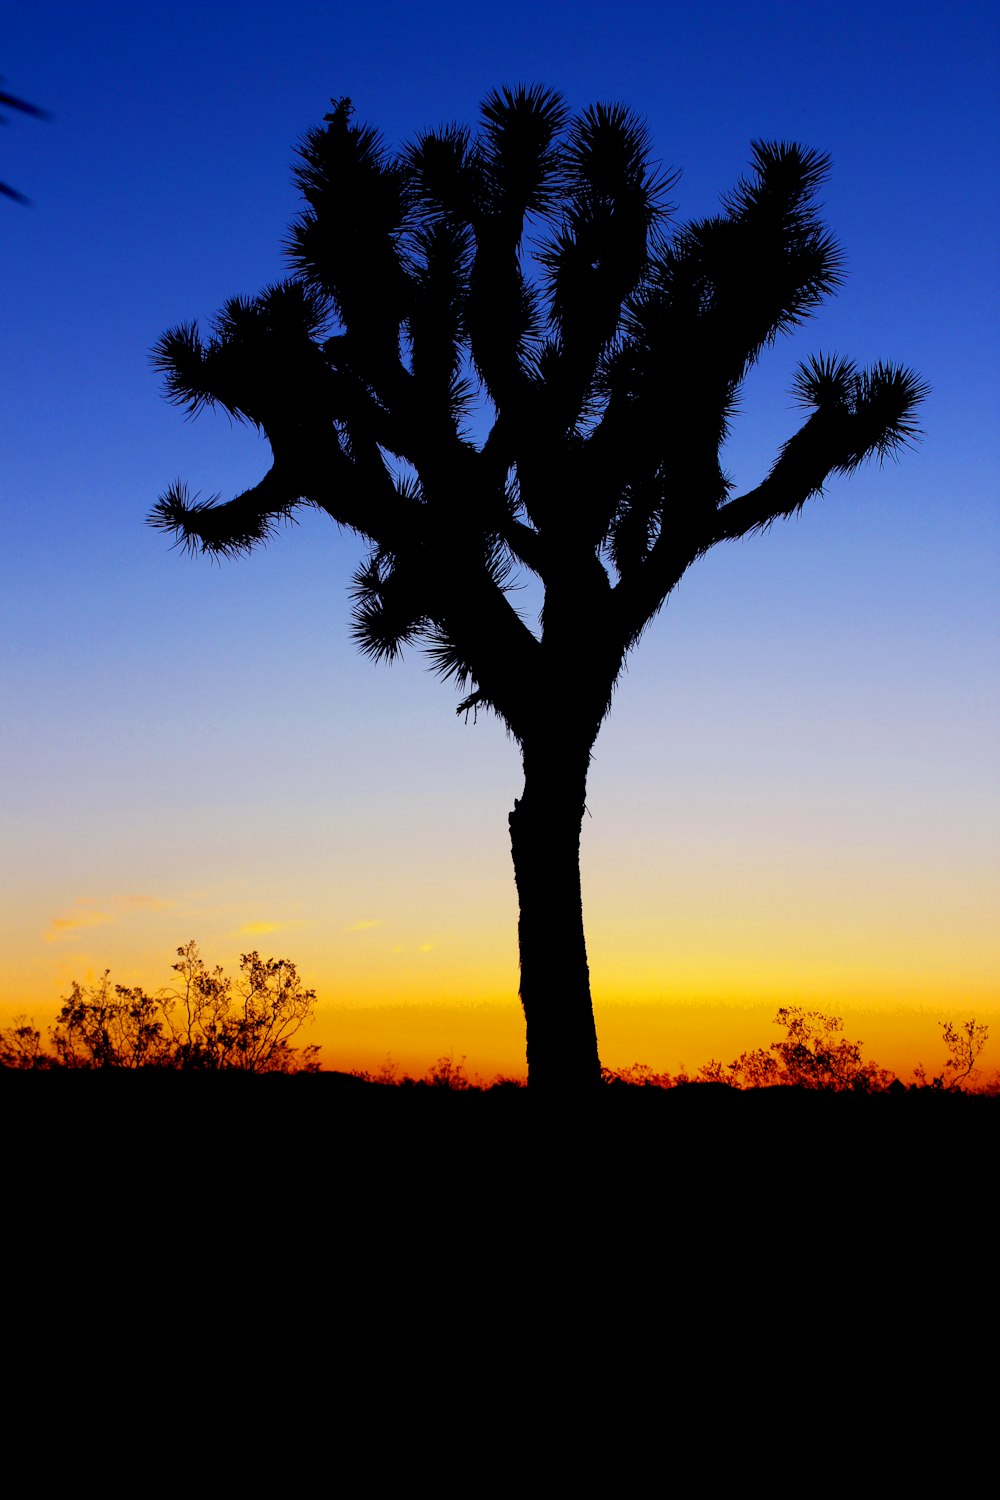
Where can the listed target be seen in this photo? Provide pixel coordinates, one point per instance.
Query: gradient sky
(795, 800)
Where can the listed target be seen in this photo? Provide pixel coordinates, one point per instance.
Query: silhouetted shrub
(812, 1055)
(207, 1022)
(448, 1074)
(640, 1075)
(21, 1046)
(963, 1045)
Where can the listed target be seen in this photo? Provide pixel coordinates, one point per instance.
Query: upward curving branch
(857, 417)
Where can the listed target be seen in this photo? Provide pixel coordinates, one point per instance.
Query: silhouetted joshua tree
(527, 266)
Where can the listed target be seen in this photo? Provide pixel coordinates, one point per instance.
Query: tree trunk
(555, 979)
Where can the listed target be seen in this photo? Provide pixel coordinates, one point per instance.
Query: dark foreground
(319, 1210)
(143, 1133)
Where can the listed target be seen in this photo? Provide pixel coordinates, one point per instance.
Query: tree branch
(225, 528)
(799, 472)
(375, 510)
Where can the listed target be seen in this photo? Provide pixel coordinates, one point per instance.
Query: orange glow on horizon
(669, 1037)
(678, 978)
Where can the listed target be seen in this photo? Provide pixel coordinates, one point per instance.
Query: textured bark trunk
(555, 979)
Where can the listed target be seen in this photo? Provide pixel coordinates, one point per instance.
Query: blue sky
(816, 709)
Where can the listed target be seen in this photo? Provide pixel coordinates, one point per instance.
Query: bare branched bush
(813, 1054)
(207, 1021)
(446, 1073)
(21, 1046)
(640, 1075)
(245, 1023)
(110, 1027)
(963, 1044)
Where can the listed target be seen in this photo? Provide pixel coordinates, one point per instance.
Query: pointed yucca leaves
(593, 264)
(790, 262)
(825, 382)
(786, 178)
(635, 525)
(176, 513)
(607, 155)
(491, 185)
(342, 164)
(600, 254)
(200, 375)
(884, 407)
(444, 170)
(498, 562)
(664, 363)
(348, 237)
(222, 530)
(739, 280)
(291, 309)
(521, 162)
(439, 264)
(669, 397)
(447, 659)
(749, 280)
(714, 298)
(878, 405)
(387, 614)
(502, 319)
(857, 417)
(261, 364)
(179, 356)
(277, 326)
